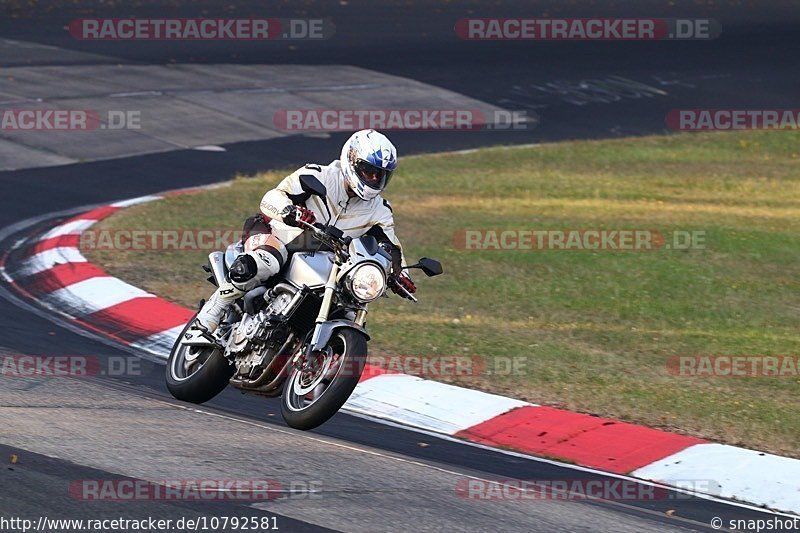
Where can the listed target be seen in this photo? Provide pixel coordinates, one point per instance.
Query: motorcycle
(302, 334)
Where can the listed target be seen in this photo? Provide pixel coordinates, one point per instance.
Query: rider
(354, 184)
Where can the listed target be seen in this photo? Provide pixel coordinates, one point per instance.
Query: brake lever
(339, 244)
(317, 228)
(410, 296)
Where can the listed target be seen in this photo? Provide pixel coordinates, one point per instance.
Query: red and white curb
(55, 273)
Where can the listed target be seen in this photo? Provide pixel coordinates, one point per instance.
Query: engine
(257, 337)
(278, 303)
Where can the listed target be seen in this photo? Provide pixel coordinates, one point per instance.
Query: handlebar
(316, 227)
(321, 233)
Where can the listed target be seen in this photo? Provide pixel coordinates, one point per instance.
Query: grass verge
(596, 327)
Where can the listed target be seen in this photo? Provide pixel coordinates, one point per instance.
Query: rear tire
(334, 396)
(202, 381)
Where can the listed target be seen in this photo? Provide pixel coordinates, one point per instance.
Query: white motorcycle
(302, 334)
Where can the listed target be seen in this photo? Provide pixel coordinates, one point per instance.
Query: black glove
(292, 214)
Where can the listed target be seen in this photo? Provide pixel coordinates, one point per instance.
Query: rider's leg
(264, 259)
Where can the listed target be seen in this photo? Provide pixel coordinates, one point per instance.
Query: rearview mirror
(431, 267)
(311, 185)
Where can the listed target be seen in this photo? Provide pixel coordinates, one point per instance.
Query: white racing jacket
(353, 216)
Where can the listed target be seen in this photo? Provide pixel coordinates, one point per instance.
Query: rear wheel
(316, 392)
(196, 374)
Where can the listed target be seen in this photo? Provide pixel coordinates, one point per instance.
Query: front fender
(324, 331)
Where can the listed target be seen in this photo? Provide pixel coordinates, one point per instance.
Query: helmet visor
(372, 176)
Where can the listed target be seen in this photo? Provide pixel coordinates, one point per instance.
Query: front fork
(361, 316)
(321, 329)
(327, 299)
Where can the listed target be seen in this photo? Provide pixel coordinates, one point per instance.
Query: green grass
(597, 327)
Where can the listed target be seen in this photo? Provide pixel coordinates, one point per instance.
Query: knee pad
(243, 269)
(252, 268)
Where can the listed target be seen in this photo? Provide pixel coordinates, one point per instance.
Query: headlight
(366, 282)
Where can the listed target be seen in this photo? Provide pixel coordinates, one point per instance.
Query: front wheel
(316, 392)
(196, 374)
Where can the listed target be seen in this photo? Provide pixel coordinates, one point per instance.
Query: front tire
(201, 379)
(309, 400)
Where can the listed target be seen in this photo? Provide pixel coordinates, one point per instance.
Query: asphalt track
(410, 484)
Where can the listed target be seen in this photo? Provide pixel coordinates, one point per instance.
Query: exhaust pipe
(218, 268)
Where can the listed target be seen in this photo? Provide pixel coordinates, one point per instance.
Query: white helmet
(368, 161)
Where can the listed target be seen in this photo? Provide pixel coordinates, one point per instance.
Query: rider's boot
(246, 272)
(210, 315)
